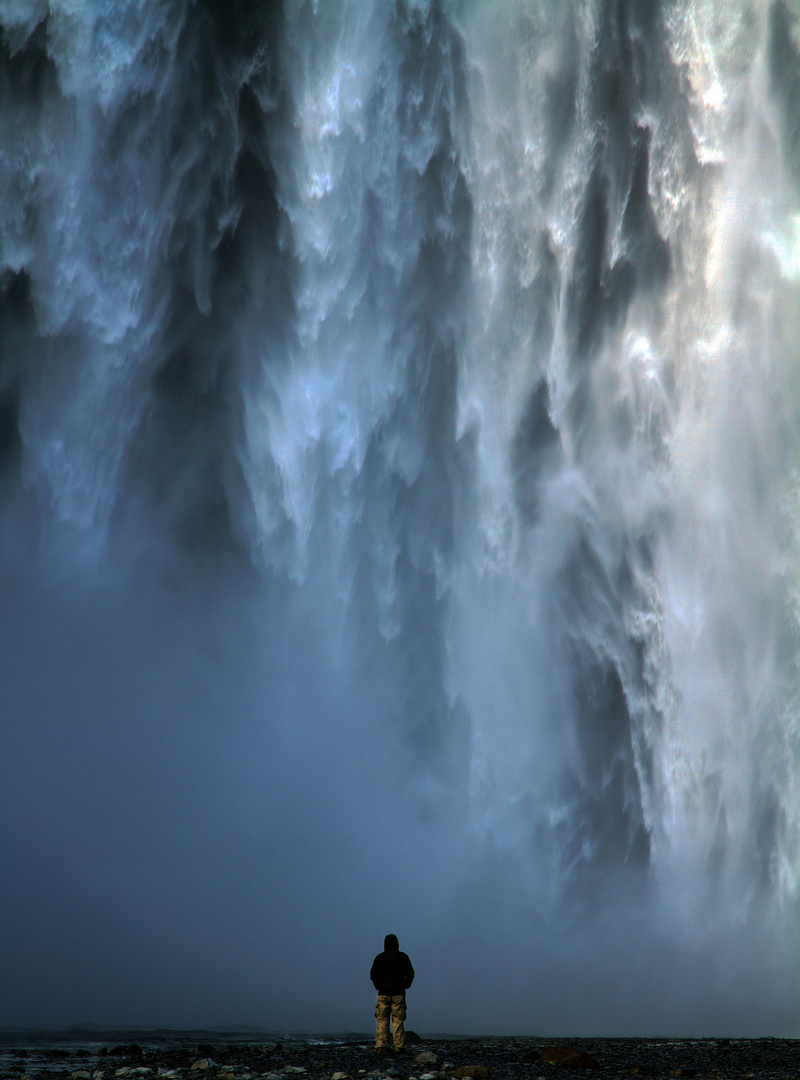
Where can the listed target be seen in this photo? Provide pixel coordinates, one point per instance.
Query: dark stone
(569, 1056)
(127, 1050)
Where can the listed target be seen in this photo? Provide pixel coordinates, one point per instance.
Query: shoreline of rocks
(434, 1058)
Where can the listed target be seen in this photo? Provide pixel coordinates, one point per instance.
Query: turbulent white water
(466, 333)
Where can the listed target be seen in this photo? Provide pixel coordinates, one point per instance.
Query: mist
(399, 514)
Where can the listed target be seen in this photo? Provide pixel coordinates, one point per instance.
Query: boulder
(425, 1057)
(569, 1056)
(127, 1050)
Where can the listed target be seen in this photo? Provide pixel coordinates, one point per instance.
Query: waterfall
(459, 339)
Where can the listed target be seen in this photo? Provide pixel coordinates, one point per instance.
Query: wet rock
(127, 1050)
(201, 1064)
(476, 1072)
(425, 1057)
(339, 1076)
(568, 1056)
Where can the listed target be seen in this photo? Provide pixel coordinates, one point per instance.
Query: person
(391, 975)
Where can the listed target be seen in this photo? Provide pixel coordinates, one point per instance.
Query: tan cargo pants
(394, 1006)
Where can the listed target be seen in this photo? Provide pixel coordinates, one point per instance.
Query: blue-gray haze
(399, 512)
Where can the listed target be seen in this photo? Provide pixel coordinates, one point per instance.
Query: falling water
(465, 333)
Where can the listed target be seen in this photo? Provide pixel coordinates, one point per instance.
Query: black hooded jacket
(391, 970)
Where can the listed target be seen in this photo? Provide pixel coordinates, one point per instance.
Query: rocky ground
(354, 1058)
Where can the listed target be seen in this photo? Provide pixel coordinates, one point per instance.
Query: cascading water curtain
(468, 331)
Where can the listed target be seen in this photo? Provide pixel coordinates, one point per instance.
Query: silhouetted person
(391, 975)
